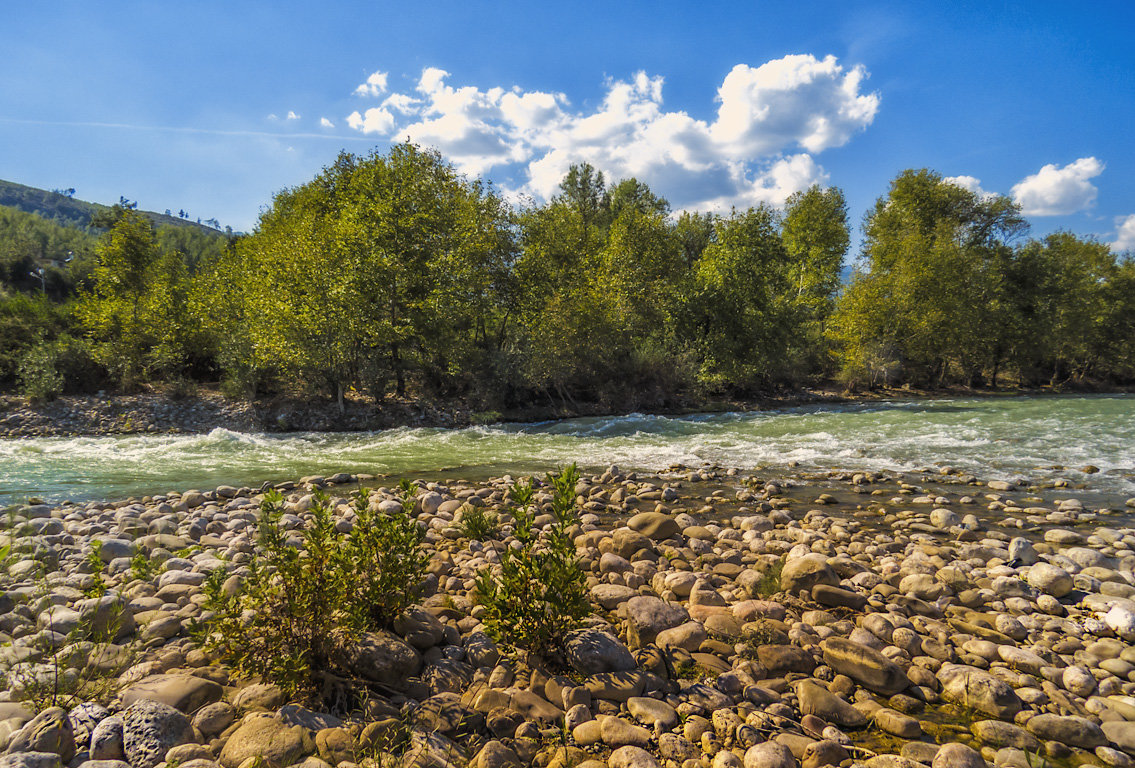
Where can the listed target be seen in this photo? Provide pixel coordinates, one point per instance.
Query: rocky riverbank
(738, 621)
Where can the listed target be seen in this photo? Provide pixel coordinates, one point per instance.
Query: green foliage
(539, 593)
(145, 568)
(386, 551)
(97, 586)
(476, 524)
(39, 378)
(295, 614)
(943, 294)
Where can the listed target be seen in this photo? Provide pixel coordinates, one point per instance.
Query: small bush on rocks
(293, 617)
(476, 525)
(539, 593)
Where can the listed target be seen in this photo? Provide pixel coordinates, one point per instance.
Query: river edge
(918, 619)
(207, 409)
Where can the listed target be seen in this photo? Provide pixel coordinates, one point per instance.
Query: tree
(584, 189)
(381, 267)
(633, 194)
(815, 235)
(928, 298)
(742, 310)
(136, 311)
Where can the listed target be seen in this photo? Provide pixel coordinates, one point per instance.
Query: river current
(1035, 438)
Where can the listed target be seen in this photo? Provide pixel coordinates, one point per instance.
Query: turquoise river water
(1009, 437)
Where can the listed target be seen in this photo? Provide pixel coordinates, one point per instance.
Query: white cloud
(325, 123)
(375, 85)
(794, 101)
(292, 115)
(374, 120)
(971, 183)
(760, 147)
(1054, 191)
(1125, 234)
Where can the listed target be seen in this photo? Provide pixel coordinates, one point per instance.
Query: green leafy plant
(293, 617)
(97, 587)
(387, 549)
(144, 568)
(40, 378)
(476, 524)
(539, 593)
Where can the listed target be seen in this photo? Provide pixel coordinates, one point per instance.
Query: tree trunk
(339, 397)
(396, 363)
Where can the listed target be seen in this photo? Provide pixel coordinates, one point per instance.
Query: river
(1001, 437)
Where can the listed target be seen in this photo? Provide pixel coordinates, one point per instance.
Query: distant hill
(70, 212)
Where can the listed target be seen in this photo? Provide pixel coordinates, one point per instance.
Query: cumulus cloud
(971, 183)
(292, 115)
(375, 85)
(1125, 234)
(325, 123)
(1055, 191)
(770, 122)
(374, 120)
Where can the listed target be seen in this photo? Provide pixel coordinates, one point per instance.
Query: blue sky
(215, 106)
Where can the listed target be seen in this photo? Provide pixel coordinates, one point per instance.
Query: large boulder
(1070, 730)
(817, 700)
(49, 731)
(803, 573)
(1049, 579)
(972, 687)
(654, 525)
(187, 693)
(864, 665)
(278, 743)
(150, 729)
(384, 658)
(591, 651)
(647, 616)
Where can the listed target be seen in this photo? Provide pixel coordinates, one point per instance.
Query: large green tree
(928, 299)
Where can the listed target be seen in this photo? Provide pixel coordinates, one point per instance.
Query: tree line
(392, 274)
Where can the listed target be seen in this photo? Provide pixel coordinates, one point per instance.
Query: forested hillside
(392, 274)
(61, 207)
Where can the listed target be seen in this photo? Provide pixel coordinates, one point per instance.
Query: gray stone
(1070, 730)
(973, 687)
(187, 693)
(49, 731)
(654, 525)
(647, 616)
(150, 729)
(955, 755)
(106, 740)
(769, 755)
(805, 573)
(1050, 580)
(30, 760)
(384, 658)
(278, 743)
(865, 665)
(817, 700)
(999, 734)
(592, 651)
(631, 757)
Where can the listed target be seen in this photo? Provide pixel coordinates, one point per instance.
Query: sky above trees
(212, 107)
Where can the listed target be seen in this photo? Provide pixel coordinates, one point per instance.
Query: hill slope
(74, 213)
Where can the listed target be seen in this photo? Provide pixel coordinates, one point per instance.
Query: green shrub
(476, 524)
(294, 616)
(539, 594)
(387, 553)
(39, 377)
